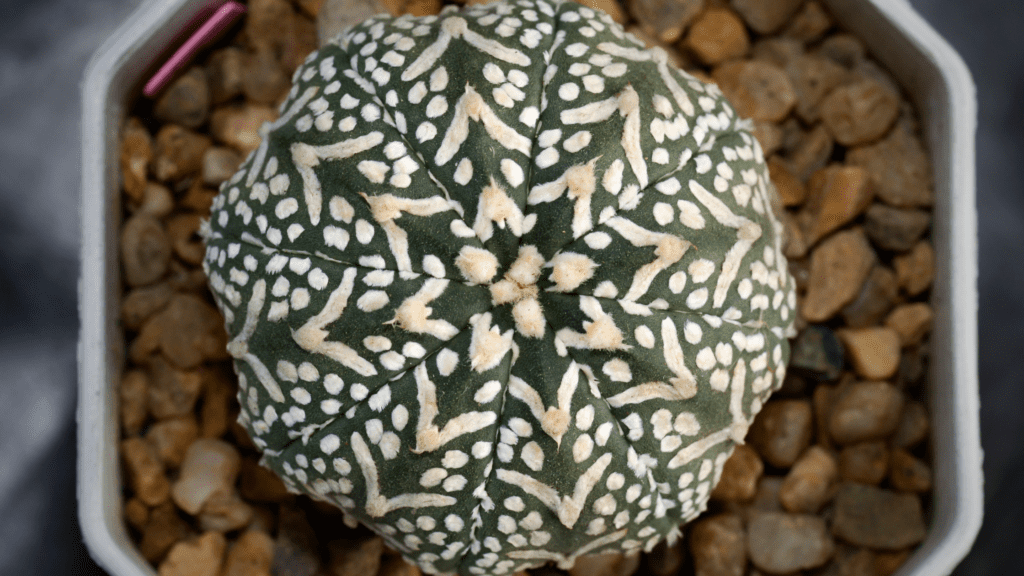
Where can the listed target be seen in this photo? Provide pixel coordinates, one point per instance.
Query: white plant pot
(930, 71)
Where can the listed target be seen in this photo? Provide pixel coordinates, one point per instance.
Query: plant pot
(930, 72)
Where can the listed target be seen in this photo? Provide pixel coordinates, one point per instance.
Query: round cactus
(503, 285)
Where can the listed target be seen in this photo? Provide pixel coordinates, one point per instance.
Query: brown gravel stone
(665, 19)
(238, 126)
(399, 567)
(613, 8)
(791, 189)
(877, 518)
(357, 558)
(822, 398)
(835, 195)
(766, 17)
(874, 352)
(179, 152)
(296, 547)
(795, 245)
(757, 90)
(251, 555)
(301, 42)
(133, 395)
(811, 152)
(839, 266)
(910, 322)
(157, 201)
(186, 101)
(183, 232)
(865, 411)
(783, 543)
(209, 470)
(769, 136)
(225, 512)
(219, 164)
(895, 229)
(172, 392)
(718, 545)
(866, 462)
(913, 427)
(852, 562)
(200, 557)
(909, 474)
(912, 366)
(336, 15)
(739, 475)
(164, 528)
(192, 331)
(844, 49)
(899, 168)
(145, 471)
(916, 269)
(198, 199)
(875, 299)
(887, 563)
(817, 353)
(665, 560)
(810, 23)
(263, 78)
(259, 484)
(766, 499)
(171, 438)
(870, 69)
(860, 112)
(219, 390)
(145, 250)
(269, 24)
(777, 50)
(136, 513)
(224, 74)
(782, 431)
(813, 77)
(422, 7)
(612, 564)
(136, 154)
(717, 35)
(809, 483)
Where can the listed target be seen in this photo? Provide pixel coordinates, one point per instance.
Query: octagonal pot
(933, 75)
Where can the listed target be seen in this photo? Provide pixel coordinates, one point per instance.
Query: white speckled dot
(358, 391)
(569, 91)
(644, 336)
(577, 141)
(705, 359)
(364, 231)
(300, 395)
(512, 171)
(697, 298)
(677, 282)
(300, 298)
(614, 70)
(663, 213)
(689, 215)
(547, 158)
(701, 269)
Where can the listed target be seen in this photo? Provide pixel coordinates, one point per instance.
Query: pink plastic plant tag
(222, 18)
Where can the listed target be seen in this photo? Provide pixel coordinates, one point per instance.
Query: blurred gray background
(44, 46)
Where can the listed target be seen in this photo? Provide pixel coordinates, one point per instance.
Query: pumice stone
(503, 285)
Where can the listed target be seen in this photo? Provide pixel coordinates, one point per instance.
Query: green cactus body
(502, 285)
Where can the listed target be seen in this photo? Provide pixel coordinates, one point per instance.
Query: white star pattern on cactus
(514, 299)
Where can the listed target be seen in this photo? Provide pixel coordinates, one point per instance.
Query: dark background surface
(44, 46)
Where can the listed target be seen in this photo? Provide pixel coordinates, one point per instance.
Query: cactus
(503, 285)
